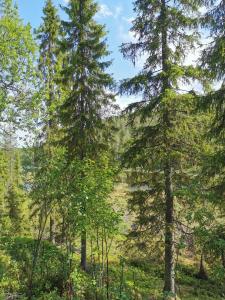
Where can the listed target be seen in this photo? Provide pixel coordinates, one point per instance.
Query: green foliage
(9, 273)
(51, 269)
(164, 151)
(50, 296)
(16, 62)
(87, 193)
(213, 56)
(85, 79)
(81, 284)
(213, 62)
(49, 65)
(173, 174)
(166, 127)
(14, 201)
(46, 186)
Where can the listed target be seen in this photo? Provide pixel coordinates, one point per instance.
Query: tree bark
(223, 258)
(169, 280)
(84, 251)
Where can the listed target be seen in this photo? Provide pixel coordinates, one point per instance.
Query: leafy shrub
(9, 274)
(50, 296)
(50, 269)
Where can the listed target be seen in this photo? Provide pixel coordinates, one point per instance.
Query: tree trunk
(84, 251)
(169, 285)
(52, 230)
(36, 254)
(169, 280)
(82, 134)
(223, 258)
(63, 231)
(202, 272)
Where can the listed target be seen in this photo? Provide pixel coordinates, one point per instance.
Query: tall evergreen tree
(213, 62)
(49, 66)
(15, 208)
(87, 85)
(164, 31)
(48, 35)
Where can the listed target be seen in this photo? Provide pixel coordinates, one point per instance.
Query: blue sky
(115, 14)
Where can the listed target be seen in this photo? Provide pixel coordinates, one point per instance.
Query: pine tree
(163, 140)
(87, 85)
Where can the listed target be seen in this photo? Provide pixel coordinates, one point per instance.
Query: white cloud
(104, 11)
(118, 11)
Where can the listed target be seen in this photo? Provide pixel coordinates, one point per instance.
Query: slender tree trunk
(63, 231)
(70, 283)
(223, 258)
(83, 257)
(202, 274)
(107, 265)
(169, 280)
(52, 230)
(103, 264)
(84, 251)
(121, 279)
(98, 247)
(36, 254)
(107, 277)
(169, 285)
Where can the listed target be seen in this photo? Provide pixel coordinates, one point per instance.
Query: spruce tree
(8, 8)
(87, 85)
(213, 62)
(163, 140)
(15, 198)
(48, 35)
(49, 65)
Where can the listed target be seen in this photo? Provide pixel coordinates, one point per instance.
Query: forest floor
(128, 279)
(145, 280)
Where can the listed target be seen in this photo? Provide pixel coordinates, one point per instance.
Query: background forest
(98, 202)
